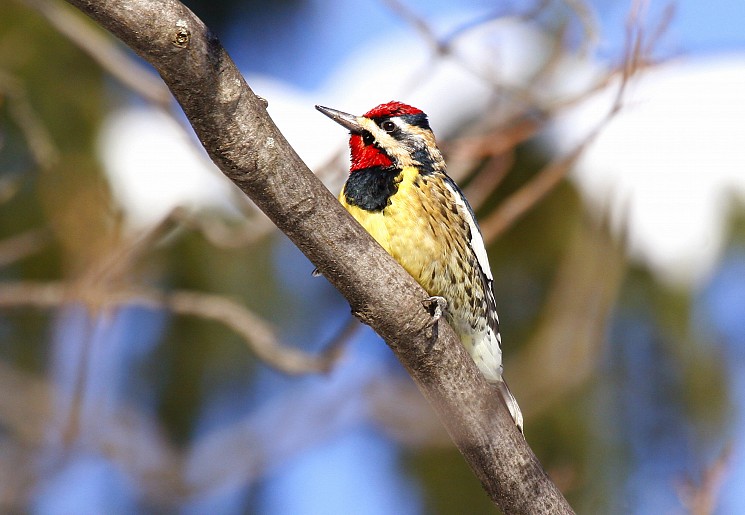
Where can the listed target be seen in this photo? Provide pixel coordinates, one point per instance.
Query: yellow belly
(422, 229)
(404, 229)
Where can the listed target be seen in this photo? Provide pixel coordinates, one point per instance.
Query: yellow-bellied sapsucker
(399, 191)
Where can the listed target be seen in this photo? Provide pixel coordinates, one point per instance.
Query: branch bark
(242, 140)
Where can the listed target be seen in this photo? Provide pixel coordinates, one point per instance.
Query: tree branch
(257, 334)
(241, 139)
(108, 56)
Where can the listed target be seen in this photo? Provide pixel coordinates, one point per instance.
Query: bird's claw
(436, 306)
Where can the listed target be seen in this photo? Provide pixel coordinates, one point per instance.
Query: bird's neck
(371, 188)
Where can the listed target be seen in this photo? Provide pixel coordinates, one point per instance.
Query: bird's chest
(419, 225)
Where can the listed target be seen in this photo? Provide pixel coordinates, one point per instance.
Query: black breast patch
(370, 188)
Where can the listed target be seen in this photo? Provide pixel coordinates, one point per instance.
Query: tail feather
(511, 403)
(487, 353)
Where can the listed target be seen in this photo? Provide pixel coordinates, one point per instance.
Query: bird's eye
(388, 126)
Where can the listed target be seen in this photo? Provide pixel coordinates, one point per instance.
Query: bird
(399, 191)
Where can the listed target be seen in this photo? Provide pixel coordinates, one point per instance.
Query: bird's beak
(344, 119)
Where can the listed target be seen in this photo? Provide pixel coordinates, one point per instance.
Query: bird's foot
(436, 306)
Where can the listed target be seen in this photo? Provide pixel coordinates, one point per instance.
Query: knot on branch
(183, 36)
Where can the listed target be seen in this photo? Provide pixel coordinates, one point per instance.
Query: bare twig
(22, 245)
(497, 141)
(226, 235)
(343, 335)
(256, 333)
(28, 415)
(444, 47)
(102, 50)
(466, 152)
(419, 24)
(529, 195)
(701, 497)
(40, 144)
(10, 184)
(121, 256)
(253, 329)
(234, 128)
(589, 24)
(488, 179)
(100, 288)
(554, 172)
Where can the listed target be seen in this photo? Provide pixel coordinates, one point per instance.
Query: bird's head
(390, 135)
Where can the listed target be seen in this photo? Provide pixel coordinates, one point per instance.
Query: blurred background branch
(103, 50)
(256, 333)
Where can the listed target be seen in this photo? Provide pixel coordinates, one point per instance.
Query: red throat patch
(366, 156)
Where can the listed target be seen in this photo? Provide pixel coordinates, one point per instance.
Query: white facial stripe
(477, 242)
(387, 142)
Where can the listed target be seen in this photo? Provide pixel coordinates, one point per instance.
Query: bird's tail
(511, 403)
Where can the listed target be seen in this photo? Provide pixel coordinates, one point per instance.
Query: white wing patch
(479, 250)
(477, 242)
(486, 352)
